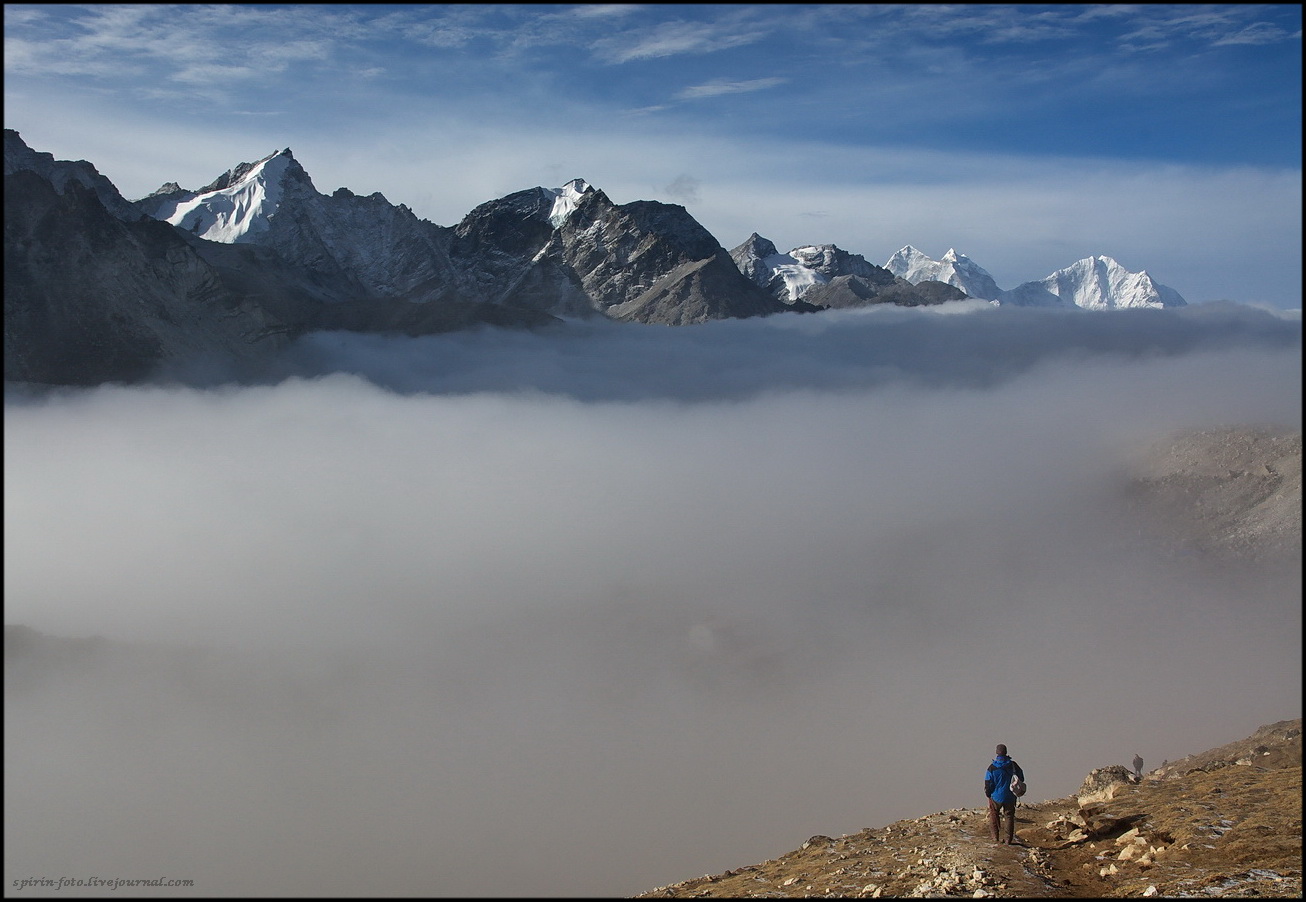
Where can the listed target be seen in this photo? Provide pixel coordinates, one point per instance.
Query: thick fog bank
(967, 344)
(596, 610)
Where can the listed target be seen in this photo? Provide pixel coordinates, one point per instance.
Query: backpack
(1017, 786)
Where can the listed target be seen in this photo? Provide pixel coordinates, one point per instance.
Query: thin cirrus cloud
(726, 86)
(673, 39)
(1258, 33)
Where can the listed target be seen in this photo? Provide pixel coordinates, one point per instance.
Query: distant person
(1002, 799)
(1138, 765)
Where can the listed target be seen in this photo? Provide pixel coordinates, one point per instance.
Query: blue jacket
(997, 779)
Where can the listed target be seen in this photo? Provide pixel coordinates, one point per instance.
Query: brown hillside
(1232, 494)
(1226, 822)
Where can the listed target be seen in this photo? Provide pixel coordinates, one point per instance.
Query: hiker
(1002, 800)
(1138, 765)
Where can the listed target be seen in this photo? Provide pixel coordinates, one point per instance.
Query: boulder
(1102, 783)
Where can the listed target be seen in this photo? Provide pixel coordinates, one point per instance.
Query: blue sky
(1027, 137)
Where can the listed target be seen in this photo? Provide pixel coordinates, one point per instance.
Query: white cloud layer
(589, 612)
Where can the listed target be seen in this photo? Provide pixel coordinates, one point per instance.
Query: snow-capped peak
(243, 205)
(954, 269)
(565, 200)
(1100, 283)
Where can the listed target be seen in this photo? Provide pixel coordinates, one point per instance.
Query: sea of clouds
(594, 609)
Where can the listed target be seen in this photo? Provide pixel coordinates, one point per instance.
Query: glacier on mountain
(797, 276)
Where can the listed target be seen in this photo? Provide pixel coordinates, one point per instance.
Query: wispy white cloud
(674, 38)
(207, 44)
(727, 86)
(604, 10)
(1160, 26)
(440, 34)
(1258, 33)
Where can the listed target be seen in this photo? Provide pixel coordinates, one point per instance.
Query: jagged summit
(565, 200)
(239, 173)
(165, 189)
(759, 246)
(235, 206)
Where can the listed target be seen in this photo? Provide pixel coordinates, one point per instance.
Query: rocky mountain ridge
(259, 256)
(824, 276)
(568, 251)
(283, 259)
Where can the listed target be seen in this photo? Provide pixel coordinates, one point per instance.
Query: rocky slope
(1229, 494)
(61, 174)
(1226, 822)
(98, 288)
(95, 291)
(91, 298)
(643, 261)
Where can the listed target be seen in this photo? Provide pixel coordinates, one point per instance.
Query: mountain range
(100, 288)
